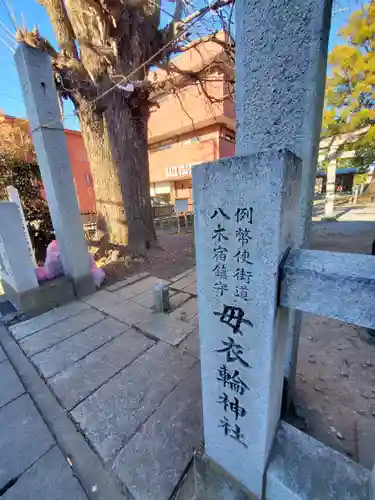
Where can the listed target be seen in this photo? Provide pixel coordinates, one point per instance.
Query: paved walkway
(128, 377)
(32, 466)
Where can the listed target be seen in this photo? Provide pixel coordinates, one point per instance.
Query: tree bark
(116, 143)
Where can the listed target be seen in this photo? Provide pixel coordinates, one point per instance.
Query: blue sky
(10, 92)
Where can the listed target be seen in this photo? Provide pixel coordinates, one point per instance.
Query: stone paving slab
(177, 299)
(128, 281)
(10, 385)
(187, 311)
(191, 344)
(192, 289)
(59, 357)
(366, 441)
(24, 438)
(49, 318)
(184, 282)
(152, 463)
(50, 478)
(79, 380)
(57, 333)
(183, 275)
(111, 415)
(145, 299)
(164, 327)
(139, 287)
(103, 299)
(3, 356)
(129, 312)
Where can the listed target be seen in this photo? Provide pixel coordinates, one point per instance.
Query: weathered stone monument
(17, 268)
(43, 111)
(252, 216)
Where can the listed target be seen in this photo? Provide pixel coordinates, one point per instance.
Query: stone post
(329, 206)
(281, 55)
(43, 111)
(244, 220)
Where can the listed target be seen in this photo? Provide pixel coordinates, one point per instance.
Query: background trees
(350, 89)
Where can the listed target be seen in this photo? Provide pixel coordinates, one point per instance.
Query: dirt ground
(335, 396)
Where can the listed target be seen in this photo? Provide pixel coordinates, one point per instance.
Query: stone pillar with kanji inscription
(244, 226)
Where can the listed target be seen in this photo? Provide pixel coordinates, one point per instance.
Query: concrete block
(152, 463)
(129, 312)
(214, 483)
(366, 441)
(50, 478)
(336, 285)
(111, 415)
(242, 231)
(145, 299)
(302, 468)
(139, 287)
(47, 296)
(128, 281)
(184, 282)
(33, 325)
(24, 438)
(164, 327)
(66, 353)
(191, 344)
(10, 385)
(54, 334)
(81, 379)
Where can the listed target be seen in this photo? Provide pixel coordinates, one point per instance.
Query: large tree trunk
(116, 143)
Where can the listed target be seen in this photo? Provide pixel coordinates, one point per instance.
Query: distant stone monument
(17, 267)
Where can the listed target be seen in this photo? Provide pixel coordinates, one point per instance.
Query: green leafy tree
(350, 89)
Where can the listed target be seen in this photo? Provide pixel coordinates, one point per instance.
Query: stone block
(154, 460)
(128, 281)
(54, 334)
(302, 468)
(164, 327)
(243, 229)
(187, 311)
(214, 483)
(139, 287)
(191, 344)
(3, 356)
(24, 438)
(366, 442)
(111, 415)
(192, 289)
(81, 379)
(33, 325)
(10, 385)
(59, 357)
(311, 276)
(50, 478)
(45, 297)
(129, 312)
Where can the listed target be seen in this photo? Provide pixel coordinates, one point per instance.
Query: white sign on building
(179, 171)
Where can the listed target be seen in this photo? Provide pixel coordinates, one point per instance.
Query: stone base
(47, 296)
(213, 483)
(84, 286)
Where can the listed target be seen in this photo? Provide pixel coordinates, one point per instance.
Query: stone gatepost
(244, 225)
(43, 112)
(329, 205)
(281, 55)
